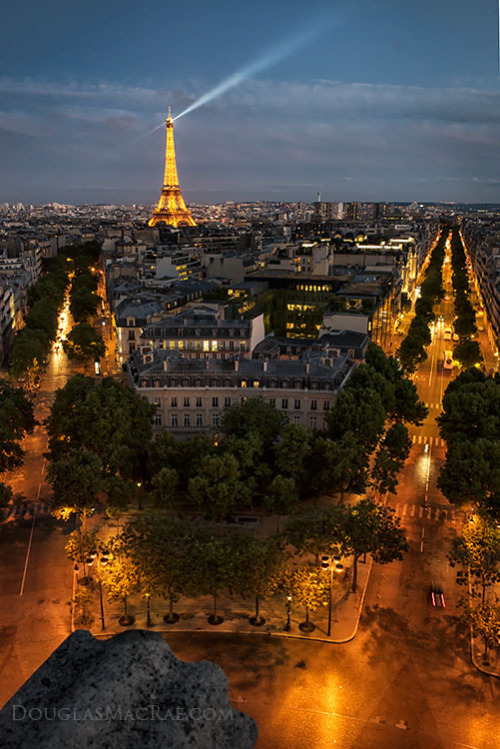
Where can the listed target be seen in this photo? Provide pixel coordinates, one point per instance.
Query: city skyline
(387, 104)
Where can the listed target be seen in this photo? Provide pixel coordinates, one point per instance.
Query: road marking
(414, 438)
(28, 553)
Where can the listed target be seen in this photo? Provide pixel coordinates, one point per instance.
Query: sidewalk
(193, 615)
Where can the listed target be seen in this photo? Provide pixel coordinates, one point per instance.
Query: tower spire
(171, 208)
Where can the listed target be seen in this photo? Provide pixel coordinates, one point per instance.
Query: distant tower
(171, 208)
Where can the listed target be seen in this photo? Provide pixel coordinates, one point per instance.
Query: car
(455, 337)
(437, 595)
(447, 334)
(448, 360)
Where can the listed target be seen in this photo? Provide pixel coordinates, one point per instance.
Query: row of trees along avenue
(100, 445)
(412, 350)
(166, 556)
(470, 477)
(16, 422)
(467, 351)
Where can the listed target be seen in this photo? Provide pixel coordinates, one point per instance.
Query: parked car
(447, 334)
(448, 360)
(437, 595)
(455, 336)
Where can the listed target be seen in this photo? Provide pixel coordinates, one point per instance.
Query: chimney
(308, 367)
(236, 365)
(165, 364)
(264, 368)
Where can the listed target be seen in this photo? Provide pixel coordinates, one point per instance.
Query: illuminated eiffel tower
(171, 208)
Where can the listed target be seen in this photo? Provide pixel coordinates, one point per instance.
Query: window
(187, 420)
(186, 402)
(297, 403)
(131, 347)
(173, 403)
(284, 403)
(296, 419)
(314, 422)
(215, 402)
(199, 403)
(227, 402)
(314, 405)
(157, 420)
(173, 420)
(131, 335)
(215, 420)
(199, 420)
(272, 401)
(326, 406)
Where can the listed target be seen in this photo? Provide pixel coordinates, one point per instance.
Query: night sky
(381, 101)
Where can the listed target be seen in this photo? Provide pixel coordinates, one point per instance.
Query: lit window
(243, 383)
(256, 383)
(206, 345)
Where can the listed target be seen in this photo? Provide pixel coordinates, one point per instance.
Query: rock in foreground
(128, 692)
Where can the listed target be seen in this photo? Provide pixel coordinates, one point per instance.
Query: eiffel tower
(171, 208)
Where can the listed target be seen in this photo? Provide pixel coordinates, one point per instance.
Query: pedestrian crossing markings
(421, 439)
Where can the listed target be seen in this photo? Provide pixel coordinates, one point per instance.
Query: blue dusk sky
(360, 100)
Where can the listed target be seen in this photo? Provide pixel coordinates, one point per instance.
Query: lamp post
(288, 612)
(331, 563)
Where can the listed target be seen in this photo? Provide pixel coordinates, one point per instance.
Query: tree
(166, 485)
(120, 578)
(259, 570)
(83, 343)
(120, 493)
(467, 353)
(17, 421)
(108, 419)
(5, 494)
(315, 530)
(370, 528)
(159, 548)
(83, 305)
(485, 621)
(75, 479)
(465, 325)
(293, 454)
(309, 589)
(471, 473)
(407, 405)
(411, 352)
(478, 552)
(281, 497)
(471, 408)
(253, 415)
(360, 412)
(217, 488)
(81, 545)
(339, 466)
(211, 568)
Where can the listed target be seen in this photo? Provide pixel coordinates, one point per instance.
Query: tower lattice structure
(171, 208)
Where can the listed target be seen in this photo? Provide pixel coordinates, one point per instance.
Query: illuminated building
(171, 208)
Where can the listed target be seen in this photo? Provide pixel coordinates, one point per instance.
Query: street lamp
(331, 563)
(288, 612)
